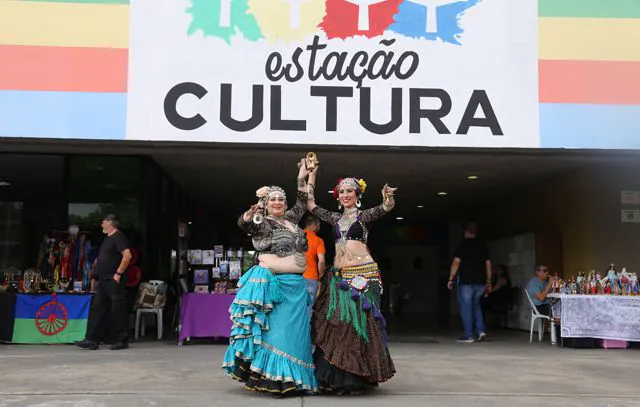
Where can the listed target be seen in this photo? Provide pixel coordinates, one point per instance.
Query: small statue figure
(634, 284)
(555, 286)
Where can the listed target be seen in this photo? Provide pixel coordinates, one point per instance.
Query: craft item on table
(555, 286)
(235, 270)
(574, 287)
(208, 257)
(201, 277)
(624, 282)
(201, 289)
(635, 285)
(195, 257)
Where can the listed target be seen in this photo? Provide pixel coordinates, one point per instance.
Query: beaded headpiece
(357, 184)
(265, 193)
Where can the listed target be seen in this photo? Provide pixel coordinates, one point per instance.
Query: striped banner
(68, 72)
(589, 72)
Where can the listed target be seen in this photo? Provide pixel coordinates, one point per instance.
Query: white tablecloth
(600, 316)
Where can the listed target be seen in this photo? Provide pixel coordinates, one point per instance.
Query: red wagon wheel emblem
(52, 318)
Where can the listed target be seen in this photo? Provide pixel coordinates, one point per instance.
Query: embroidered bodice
(272, 237)
(351, 228)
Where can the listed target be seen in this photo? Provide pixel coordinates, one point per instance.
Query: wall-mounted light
(442, 193)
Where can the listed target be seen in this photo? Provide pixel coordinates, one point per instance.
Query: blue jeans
(469, 297)
(312, 289)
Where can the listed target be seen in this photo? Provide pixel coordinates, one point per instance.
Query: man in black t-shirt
(472, 265)
(109, 304)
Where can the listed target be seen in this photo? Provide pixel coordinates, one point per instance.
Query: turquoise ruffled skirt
(270, 342)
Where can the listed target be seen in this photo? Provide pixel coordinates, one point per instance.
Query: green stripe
(82, 1)
(589, 8)
(25, 331)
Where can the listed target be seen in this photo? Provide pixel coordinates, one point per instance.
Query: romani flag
(51, 318)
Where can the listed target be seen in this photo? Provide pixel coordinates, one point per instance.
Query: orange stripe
(63, 69)
(598, 82)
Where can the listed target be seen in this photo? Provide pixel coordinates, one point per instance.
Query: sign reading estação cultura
(374, 72)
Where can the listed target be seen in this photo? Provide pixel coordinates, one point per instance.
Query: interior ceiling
(226, 176)
(228, 180)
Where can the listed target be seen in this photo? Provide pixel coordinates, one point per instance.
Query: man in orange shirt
(315, 257)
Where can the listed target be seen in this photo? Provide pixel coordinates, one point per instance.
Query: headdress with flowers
(266, 192)
(358, 184)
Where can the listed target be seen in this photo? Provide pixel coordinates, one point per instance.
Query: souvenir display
(65, 262)
(613, 283)
(217, 271)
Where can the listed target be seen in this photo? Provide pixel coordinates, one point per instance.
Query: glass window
(102, 185)
(98, 179)
(88, 216)
(10, 236)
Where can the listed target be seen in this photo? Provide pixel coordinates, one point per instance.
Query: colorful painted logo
(52, 318)
(291, 20)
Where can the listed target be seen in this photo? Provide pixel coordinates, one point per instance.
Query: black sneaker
(482, 336)
(119, 346)
(464, 339)
(88, 345)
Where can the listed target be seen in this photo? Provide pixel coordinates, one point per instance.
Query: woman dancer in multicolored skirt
(270, 343)
(348, 329)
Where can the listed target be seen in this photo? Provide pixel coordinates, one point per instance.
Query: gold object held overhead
(310, 161)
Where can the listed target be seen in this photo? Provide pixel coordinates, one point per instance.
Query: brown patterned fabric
(347, 352)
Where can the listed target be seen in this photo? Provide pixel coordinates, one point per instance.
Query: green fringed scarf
(351, 311)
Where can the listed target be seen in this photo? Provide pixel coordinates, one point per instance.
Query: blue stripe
(77, 306)
(589, 126)
(69, 115)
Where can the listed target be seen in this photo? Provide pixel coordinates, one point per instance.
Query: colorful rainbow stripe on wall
(589, 73)
(64, 70)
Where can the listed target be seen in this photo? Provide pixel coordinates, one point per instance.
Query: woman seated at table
(270, 342)
(539, 287)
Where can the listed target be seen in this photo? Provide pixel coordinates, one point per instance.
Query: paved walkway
(503, 372)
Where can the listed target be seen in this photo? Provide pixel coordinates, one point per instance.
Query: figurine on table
(633, 284)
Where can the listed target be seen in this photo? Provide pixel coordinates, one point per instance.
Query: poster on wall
(359, 72)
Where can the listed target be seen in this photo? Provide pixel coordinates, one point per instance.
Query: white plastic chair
(536, 316)
(157, 311)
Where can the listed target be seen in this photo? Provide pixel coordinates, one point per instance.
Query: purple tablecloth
(205, 315)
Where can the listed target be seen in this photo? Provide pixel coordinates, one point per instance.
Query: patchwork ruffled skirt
(349, 331)
(270, 342)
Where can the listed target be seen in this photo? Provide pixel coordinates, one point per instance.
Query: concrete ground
(505, 371)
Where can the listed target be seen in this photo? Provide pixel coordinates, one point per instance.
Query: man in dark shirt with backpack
(109, 305)
(472, 265)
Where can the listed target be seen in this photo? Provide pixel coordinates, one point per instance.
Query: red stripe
(597, 82)
(63, 69)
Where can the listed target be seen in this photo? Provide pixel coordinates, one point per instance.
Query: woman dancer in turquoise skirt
(270, 343)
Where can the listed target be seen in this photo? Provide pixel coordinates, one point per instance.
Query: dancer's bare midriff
(352, 253)
(283, 265)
